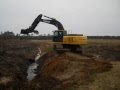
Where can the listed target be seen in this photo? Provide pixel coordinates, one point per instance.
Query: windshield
(55, 33)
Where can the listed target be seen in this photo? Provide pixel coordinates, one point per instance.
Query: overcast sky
(89, 17)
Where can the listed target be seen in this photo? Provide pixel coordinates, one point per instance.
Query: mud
(65, 71)
(15, 56)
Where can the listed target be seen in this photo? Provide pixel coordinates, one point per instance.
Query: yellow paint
(78, 40)
(73, 40)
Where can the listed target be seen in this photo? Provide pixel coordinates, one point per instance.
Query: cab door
(58, 36)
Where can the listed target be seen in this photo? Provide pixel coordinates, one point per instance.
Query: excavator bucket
(27, 31)
(24, 31)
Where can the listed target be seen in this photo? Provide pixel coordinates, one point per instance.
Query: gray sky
(89, 17)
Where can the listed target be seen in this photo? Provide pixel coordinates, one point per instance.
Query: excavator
(61, 40)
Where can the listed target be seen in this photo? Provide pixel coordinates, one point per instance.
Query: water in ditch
(32, 67)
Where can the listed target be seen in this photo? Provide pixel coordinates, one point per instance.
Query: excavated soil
(66, 71)
(60, 71)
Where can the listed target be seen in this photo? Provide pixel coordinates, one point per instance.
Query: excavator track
(59, 48)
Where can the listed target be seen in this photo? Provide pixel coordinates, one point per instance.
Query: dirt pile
(57, 65)
(66, 71)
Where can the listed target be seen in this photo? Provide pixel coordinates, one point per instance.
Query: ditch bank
(15, 58)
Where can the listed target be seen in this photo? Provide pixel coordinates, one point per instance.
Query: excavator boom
(39, 19)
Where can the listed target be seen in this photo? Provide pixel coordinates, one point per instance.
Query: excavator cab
(58, 35)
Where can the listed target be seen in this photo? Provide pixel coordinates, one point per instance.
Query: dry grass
(109, 42)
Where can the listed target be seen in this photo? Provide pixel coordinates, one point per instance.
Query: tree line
(12, 35)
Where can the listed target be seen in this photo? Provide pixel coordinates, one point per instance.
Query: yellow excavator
(61, 40)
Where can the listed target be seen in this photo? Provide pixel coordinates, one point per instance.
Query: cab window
(55, 33)
(60, 33)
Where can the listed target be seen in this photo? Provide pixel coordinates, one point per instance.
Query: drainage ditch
(33, 66)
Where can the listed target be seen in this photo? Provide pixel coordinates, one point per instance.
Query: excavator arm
(39, 19)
